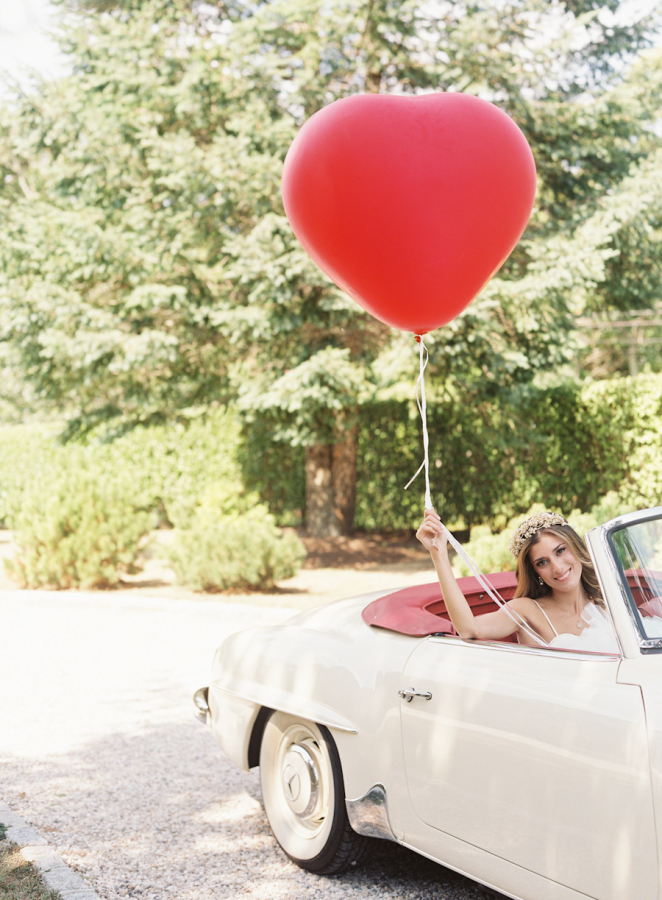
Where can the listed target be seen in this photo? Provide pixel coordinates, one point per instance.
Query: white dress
(597, 637)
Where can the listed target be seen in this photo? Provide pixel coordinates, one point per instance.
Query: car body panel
(494, 872)
(279, 667)
(232, 720)
(477, 744)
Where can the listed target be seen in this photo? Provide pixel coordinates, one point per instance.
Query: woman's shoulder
(532, 610)
(522, 603)
(536, 620)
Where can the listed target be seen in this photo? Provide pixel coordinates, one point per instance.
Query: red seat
(420, 610)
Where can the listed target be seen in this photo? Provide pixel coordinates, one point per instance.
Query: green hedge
(564, 447)
(81, 513)
(472, 463)
(171, 469)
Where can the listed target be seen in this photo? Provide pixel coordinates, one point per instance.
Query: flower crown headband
(530, 526)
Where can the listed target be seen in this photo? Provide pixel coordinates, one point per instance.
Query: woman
(557, 601)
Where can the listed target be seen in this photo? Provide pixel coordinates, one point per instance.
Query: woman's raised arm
(491, 626)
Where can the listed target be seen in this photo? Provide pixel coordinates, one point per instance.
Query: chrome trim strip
(651, 644)
(523, 648)
(369, 814)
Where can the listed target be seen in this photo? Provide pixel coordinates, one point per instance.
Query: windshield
(639, 550)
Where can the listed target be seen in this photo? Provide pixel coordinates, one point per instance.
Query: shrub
(562, 446)
(81, 530)
(611, 506)
(241, 552)
(489, 551)
(29, 455)
(275, 471)
(170, 466)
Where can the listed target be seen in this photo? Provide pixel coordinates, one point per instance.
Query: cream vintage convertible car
(535, 771)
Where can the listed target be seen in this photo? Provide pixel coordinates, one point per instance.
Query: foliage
(631, 410)
(234, 552)
(274, 471)
(609, 507)
(29, 455)
(176, 467)
(477, 462)
(491, 553)
(489, 550)
(170, 467)
(565, 446)
(80, 511)
(148, 269)
(82, 532)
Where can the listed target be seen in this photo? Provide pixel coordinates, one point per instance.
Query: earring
(540, 580)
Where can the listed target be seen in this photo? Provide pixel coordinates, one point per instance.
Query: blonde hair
(528, 581)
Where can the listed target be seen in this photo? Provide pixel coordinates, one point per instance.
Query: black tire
(304, 795)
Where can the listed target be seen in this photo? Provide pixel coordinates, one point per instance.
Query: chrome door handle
(409, 693)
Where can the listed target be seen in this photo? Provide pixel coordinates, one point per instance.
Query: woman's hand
(431, 533)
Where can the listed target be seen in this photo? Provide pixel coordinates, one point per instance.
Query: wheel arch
(329, 722)
(239, 711)
(255, 740)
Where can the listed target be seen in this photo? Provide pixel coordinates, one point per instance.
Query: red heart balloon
(409, 204)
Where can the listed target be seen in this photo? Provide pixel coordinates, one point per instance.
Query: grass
(20, 880)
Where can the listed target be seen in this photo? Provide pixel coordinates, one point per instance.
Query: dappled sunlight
(116, 774)
(238, 808)
(546, 748)
(84, 673)
(164, 814)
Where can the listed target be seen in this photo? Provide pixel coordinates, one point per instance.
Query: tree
(521, 323)
(147, 266)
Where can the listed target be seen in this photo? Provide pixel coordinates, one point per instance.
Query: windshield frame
(605, 534)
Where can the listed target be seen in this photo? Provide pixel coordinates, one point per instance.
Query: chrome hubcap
(301, 781)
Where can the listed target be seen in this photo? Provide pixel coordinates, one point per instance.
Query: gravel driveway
(100, 752)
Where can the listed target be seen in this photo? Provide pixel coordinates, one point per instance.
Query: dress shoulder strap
(556, 634)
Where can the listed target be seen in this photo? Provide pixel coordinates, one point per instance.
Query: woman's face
(553, 560)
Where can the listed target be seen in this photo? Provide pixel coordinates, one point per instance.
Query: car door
(537, 756)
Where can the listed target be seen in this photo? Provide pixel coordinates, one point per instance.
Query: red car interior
(420, 610)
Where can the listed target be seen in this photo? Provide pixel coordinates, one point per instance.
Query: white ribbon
(422, 408)
(459, 549)
(484, 583)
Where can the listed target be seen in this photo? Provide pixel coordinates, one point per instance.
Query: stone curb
(33, 848)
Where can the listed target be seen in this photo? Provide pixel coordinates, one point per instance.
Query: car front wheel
(304, 795)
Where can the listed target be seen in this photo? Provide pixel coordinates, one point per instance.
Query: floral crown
(530, 526)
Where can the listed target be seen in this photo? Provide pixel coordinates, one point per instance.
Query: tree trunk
(343, 476)
(331, 486)
(320, 521)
